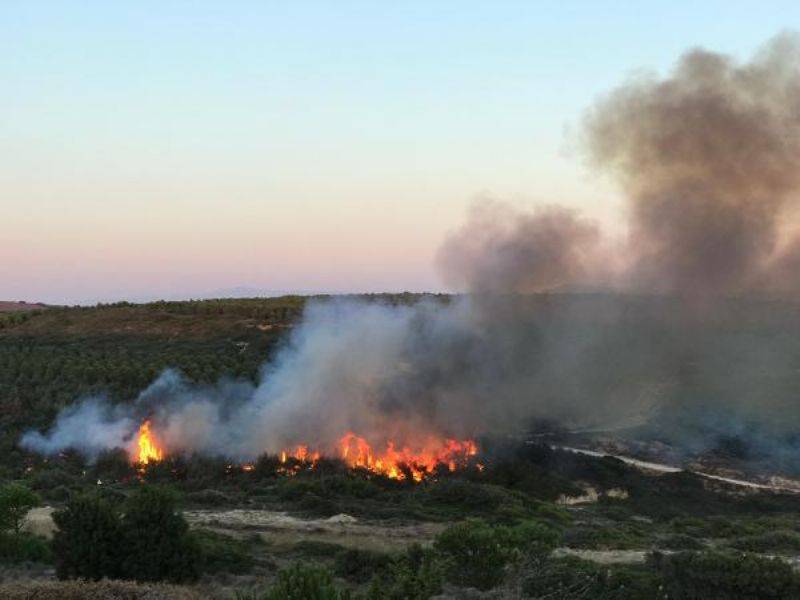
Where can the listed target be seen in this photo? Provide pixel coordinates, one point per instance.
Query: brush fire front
(393, 461)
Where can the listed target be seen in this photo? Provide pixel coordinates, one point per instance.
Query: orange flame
(357, 452)
(147, 445)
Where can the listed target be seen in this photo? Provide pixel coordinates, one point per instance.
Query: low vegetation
(498, 529)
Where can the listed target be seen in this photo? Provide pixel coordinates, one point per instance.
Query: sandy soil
(39, 521)
(605, 557)
(279, 528)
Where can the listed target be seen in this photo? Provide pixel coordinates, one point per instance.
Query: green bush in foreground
(476, 554)
(726, 576)
(24, 547)
(88, 542)
(156, 537)
(149, 542)
(570, 578)
(16, 545)
(414, 575)
(301, 582)
(15, 502)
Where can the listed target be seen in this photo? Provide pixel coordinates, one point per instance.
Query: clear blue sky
(179, 148)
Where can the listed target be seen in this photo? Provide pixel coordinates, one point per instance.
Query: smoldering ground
(677, 328)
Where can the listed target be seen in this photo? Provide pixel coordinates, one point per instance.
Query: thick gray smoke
(501, 250)
(709, 158)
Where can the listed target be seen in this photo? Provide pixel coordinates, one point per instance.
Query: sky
(170, 149)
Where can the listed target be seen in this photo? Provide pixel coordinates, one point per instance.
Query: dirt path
(662, 468)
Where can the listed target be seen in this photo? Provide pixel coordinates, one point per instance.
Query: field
(524, 519)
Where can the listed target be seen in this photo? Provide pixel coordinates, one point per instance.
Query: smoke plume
(709, 160)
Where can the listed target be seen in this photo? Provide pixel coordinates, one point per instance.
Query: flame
(147, 445)
(396, 463)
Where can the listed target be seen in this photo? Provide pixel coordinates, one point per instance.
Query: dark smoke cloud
(709, 159)
(501, 250)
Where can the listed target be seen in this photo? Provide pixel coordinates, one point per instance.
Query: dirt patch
(279, 529)
(605, 557)
(39, 521)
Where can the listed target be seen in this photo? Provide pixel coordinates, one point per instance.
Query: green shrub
(474, 556)
(301, 582)
(619, 536)
(221, 553)
(476, 553)
(15, 502)
(528, 537)
(209, 498)
(569, 578)
(359, 565)
(24, 547)
(414, 575)
(88, 543)
(680, 541)
(726, 576)
(157, 543)
(773, 541)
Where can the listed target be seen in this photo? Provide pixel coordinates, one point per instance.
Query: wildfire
(414, 462)
(396, 463)
(147, 448)
(392, 462)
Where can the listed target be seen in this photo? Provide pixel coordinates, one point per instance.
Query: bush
(88, 543)
(619, 536)
(680, 541)
(773, 541)
(301, 582)
(24, 547)
(359, 565)
(529, 537)
(222, 553)
(569, 578)
(157, 543)
(414, 575)
(15, 502)
(726, 576)
(150, 542)
(476, 554)
(209, 498)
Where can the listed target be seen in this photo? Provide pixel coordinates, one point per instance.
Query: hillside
(608, 528)
(12, 306)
